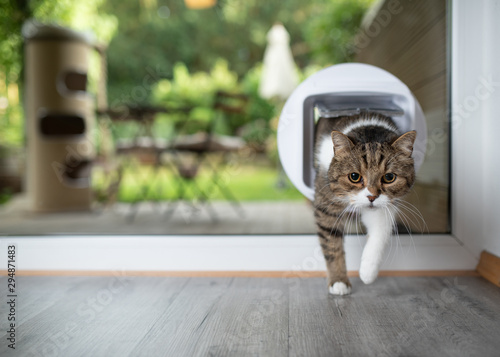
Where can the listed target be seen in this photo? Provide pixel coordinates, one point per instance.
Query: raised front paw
(368, 271)
(339, 288)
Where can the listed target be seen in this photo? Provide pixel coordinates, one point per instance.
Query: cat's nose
(372, 198)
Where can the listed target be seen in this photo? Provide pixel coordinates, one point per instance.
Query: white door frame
(457, 251)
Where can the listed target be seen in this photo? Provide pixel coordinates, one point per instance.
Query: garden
(165, 54)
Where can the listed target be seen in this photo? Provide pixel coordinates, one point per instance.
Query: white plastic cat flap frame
(343, 89)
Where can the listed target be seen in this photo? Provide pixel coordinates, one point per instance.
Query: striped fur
(370, 146)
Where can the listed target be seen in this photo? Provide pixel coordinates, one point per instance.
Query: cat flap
(335, 110)
(346, 89)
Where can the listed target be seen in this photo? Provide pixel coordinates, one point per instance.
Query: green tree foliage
(331, 34)
(156, 36)
(196, 91)
(148, 37)
(12, 16)
(78, 15)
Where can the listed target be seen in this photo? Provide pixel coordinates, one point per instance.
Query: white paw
(368, 272)
(339, 288)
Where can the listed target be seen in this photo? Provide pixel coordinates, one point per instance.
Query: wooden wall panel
(411, 43)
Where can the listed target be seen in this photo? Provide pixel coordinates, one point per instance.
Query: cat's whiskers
(358, 213)
(350, 220)
(418, 216)
(384, 209)
(355, 218)
(388, 253)
(395, 231)
(411, 209)
(359, 224)
(334, 200)
(405, 221)
(335, 225)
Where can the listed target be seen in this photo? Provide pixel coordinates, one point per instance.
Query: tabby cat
(363, 167)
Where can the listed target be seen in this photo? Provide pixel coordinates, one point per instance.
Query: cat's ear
(341, 143)
(405, 142)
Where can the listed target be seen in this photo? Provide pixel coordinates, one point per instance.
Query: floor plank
(88, 310)
(180, 326)
(34, 298)
(251, 319)
(136, 306)
(168, 316)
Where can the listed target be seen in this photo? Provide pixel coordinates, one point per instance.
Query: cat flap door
(345, 104)
(342, 90)
(322, 110)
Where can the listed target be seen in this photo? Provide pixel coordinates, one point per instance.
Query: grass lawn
(246, 182)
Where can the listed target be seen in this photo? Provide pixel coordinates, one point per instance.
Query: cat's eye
(355, 177)
(388, 178)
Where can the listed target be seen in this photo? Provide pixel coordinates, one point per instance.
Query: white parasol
(279, 77)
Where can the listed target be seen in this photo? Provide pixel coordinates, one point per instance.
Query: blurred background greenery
(160, 52)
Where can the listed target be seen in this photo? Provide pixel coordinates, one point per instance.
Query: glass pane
(412, 43)
(188, 144)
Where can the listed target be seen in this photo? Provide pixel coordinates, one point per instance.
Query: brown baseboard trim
(489, 267)
(238, 274)
(425, 273)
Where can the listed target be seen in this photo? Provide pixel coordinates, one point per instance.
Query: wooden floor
(158, 316)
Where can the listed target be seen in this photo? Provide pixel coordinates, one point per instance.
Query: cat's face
(371, 175)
